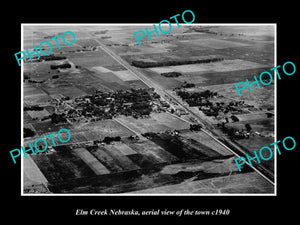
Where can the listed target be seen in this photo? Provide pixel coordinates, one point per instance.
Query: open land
(162, 117)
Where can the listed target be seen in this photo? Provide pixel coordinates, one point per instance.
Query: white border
(148, 24)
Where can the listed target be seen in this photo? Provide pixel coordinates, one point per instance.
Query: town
(161, 117)
(137, 103)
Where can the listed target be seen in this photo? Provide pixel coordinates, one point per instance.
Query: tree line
(143, 64)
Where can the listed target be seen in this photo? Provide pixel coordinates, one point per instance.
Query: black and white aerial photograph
(157, 116)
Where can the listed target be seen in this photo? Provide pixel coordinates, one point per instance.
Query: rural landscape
(162, 117)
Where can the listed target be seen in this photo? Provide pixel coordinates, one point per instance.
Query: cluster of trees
(51, 57)
(108, 140)
(201, 99)
(188, 85)
(229, 131)
(143, 64)
(57, 118)
(171, 74)
(235, 133)
(132, 95)
(196, 98)
(248, 127)
(142, 108)
(27, 75)
(203, 30)
(196, 95)
(27, 132)
(106, 37)
(35, 81)
(210, 112)
(269, 115)
(101, 32)
(86, 48)
(195, 127)
(61, 66)
(33, 108)
(139, 99)
(234, 118)
(106, 105)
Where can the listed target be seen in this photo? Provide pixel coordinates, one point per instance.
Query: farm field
(206, 140)
(260, 32)
(65, 89)
(33, 95)
(101, 129)
(158, 122)
(150, 140)
(255, 144)
(147, 169)
(151, 150)
(245, 183)
(159, 160)
(32, 174)
(215, 43)
(38, 114)
(223, 66)
(45, 127)
(202, 77)
(91, 161)
(227, 71)
(125, 75)
(92, 59)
